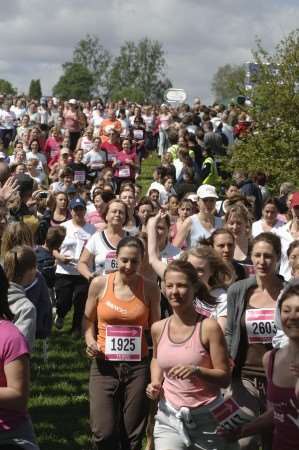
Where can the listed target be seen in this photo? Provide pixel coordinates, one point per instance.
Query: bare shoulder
(210, 325)
(157, 328)
(97, 286)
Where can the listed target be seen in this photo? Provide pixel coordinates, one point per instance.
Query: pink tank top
(286, 412)
(192, 392)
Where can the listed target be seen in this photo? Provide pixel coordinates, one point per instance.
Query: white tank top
(198, 231)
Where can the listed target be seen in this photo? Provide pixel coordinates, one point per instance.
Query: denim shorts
(201, 431)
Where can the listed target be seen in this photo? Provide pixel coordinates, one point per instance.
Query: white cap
(207, 191)
(73, 101)
(2, 155)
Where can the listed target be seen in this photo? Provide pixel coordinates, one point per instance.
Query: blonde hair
(16, 234)
(17, 261)
(222, 275)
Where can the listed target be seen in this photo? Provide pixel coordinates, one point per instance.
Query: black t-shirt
(80, 172)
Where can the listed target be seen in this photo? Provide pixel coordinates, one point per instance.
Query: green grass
(59, 387)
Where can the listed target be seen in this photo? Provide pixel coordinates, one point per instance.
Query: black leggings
(71, 290)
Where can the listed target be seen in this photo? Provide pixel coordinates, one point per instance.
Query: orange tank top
(112, 311)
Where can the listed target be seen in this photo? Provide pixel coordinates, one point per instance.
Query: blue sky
(198, 36)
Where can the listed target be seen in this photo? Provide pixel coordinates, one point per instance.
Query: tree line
(138, 72)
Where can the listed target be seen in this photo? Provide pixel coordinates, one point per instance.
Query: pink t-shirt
(125, 170)
(12, 346)
(52, 149)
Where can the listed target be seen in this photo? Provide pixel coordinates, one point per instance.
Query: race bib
(123, 343)
(260, 325)
(79, 176)
(138, 134)
(230, 415)
(124, 172)
(110, 262)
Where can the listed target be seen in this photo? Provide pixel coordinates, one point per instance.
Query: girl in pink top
(189, 367)
(52, 146)
(15, 424)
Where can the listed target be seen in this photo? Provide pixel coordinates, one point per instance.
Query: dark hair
(291, 289)
(272, 201)
(219, 232)
(106, 210)
(145, 201)
(153, 190)
(292, 246)
(67, 171)
(18, 261)
(271, 239)
(5, 312)
(131, 241)
(125, 185)
(161, 171)
(184, 267)
(55, 237)
(35, 140)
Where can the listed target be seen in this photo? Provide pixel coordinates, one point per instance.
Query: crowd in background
(206, 259)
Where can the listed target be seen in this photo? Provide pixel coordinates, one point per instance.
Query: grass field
(59, 402)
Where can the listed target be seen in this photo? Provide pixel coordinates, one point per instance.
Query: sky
(198, 36)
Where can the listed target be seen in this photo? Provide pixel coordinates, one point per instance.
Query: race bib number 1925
(123, 343)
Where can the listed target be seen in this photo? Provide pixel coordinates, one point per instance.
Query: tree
(228, 82)
(91, 54)
(76, 82)
(142, 67)
(273, 147)
(130, 93)
(35, 90)
(7, 88)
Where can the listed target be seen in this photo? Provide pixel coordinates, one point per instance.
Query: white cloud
(37, 36)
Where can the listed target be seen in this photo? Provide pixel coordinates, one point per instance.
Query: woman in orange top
(119, 309)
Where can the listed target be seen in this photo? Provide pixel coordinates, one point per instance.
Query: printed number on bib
(79, 176)
(124, 172)
(230, 415)
(110, 262)
(260, 325)
(123, 343)
(138, 134)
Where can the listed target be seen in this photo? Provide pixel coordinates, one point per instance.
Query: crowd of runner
(186, 293)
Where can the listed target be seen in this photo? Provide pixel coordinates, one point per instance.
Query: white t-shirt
(95, 159)
(257, 227)
(73, 244)
(104, 253)
(286, 239)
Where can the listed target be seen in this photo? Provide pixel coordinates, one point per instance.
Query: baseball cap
(77, 202)
(73, 101)
(295, 199)
(64, 151)
(2, 155)
(207, 191)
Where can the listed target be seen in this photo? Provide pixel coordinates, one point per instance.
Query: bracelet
(197, 371)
